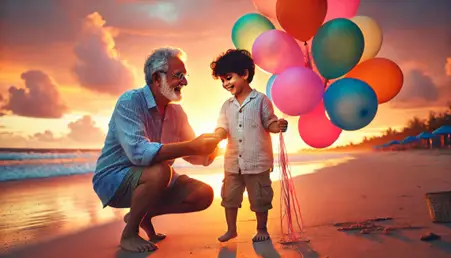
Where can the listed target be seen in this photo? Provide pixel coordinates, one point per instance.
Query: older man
(146, 133)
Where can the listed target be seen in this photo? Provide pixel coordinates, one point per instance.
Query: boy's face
(234, 83)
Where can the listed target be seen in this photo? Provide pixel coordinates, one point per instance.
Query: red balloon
(316, 129)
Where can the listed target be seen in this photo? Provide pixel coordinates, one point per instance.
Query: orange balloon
(382, 74)
(301, 18)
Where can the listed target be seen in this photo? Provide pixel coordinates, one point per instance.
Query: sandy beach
(61, 216)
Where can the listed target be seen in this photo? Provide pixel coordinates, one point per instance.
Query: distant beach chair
(444, 132)
(439, 205)
(395, 145)
(409, 142)
(426, 137)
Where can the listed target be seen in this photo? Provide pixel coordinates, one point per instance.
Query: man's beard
(169, 92)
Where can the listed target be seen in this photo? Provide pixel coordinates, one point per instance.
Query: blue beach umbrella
(425, 136)
(444, 129)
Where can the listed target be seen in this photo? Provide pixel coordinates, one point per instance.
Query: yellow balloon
(372, 34)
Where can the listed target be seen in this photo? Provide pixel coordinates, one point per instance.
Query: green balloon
(337, 47)
(247, 28)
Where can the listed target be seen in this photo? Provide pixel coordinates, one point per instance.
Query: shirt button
(239, 155)
(240, 125)
(240, 140)
(241, 110)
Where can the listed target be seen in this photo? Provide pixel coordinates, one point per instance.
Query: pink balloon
(266, 7)
(316, 129)
(275, 50)
(297, 91)
(341, 9)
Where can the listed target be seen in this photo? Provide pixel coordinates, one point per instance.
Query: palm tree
(416, 125)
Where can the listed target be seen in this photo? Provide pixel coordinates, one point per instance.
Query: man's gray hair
(158, 61)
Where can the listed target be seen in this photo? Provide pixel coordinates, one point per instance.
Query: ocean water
(28, 164)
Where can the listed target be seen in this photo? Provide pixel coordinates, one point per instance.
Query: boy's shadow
(266, 249)
(126, 254)
(228, 251)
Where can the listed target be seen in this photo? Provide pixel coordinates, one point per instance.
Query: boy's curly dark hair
(233, 61)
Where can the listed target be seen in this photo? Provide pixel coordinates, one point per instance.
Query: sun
(223, 144)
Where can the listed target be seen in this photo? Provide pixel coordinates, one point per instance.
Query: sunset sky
(63, 63)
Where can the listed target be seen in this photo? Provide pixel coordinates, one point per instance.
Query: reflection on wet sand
(41, 209)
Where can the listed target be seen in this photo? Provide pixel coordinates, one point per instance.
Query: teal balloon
(350, 103)
(247, 28)
(269, 85)
(337, 47)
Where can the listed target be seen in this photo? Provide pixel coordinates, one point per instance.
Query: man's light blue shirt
(134, 137)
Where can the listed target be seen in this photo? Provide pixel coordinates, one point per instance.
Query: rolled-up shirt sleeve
(222, 121)
(129, 127)
(268, 116)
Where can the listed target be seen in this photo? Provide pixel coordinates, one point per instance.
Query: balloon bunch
(323, 64)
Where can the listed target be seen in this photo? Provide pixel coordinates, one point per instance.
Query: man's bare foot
(134, 243)
(262, 235)
(227, 236)
(147, 226)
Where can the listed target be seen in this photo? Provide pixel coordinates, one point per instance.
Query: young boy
(246, 120)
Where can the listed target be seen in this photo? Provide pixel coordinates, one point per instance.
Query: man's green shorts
(176, 193)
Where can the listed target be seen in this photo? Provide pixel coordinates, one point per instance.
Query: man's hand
(204, 144)
(283, 125)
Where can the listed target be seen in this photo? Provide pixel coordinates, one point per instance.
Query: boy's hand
(283, 125)
(204, 144)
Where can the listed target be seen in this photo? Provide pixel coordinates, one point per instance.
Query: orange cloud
(98, 66)
(40, 97)
(84, 130)
(418, 90)
(46, 136)
(83, 133)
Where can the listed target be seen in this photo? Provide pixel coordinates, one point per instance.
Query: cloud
(2, 113)
(51, 22)
(418, 90)
(414, 32)
(46, 136)
(84, 130)
(12, 140)
(40, 97)
(165, 11)
(99, 67)
(83, 133)
(448, 66)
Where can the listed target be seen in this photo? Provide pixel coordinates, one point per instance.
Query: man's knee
(206, 195)
(202, 196)
(158, 174)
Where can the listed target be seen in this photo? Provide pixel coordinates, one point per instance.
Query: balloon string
(288, 200)
(309, 61)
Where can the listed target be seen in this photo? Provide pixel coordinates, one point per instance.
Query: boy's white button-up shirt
(249, 146)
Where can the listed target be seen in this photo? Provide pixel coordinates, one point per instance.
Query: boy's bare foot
(134, 243)
(147, 226)
(227, 236)
(262, 235)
